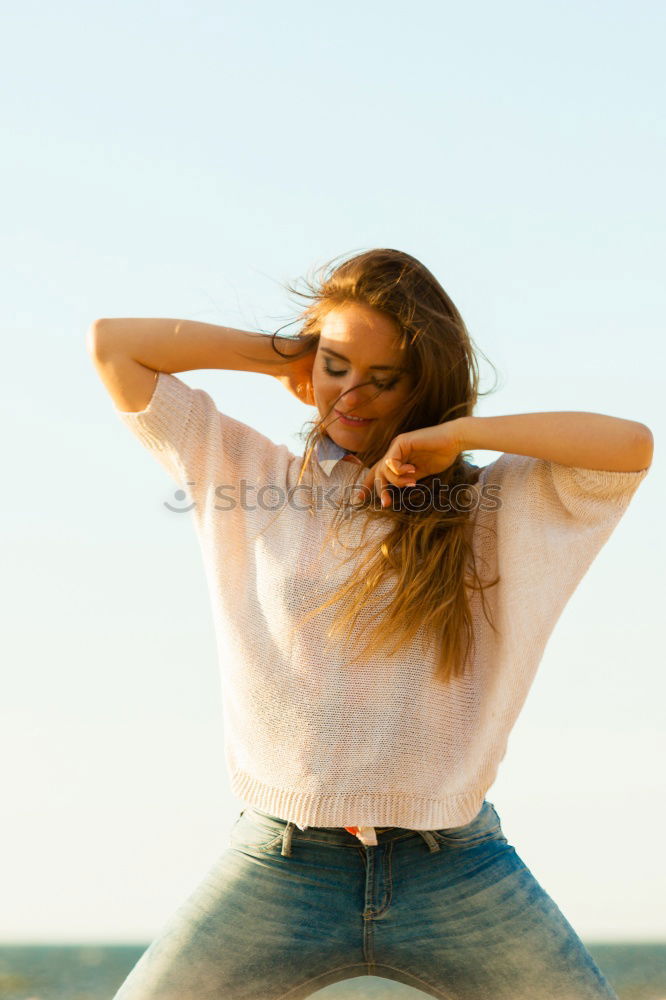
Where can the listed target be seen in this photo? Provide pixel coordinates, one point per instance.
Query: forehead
(363, 330)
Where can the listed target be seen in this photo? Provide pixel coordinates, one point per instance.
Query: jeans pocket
(486, 825)
(251, 833)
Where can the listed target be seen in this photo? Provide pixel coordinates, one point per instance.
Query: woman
(381, 606)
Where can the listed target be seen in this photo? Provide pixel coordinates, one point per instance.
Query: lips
(353, 422)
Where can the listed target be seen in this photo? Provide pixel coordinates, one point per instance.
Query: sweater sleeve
(550, 523)
(193, 441)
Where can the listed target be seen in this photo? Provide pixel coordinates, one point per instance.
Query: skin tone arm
(129, 353)
(180, 345)
(578, 439)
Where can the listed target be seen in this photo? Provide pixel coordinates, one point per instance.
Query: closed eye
(380, 385)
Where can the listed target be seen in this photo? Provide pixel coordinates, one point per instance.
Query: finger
(362, 490)
(400, 474)
(407, 476)
(381, 486)
(379, 483)
(398, 465)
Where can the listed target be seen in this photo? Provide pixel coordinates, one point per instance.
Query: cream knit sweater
(308, 737)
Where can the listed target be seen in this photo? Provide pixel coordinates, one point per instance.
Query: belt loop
(430, 840)
(286, 839)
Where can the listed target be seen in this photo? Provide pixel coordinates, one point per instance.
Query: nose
(354, 395)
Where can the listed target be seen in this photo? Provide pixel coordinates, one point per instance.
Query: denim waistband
(280, 819)
(290, 827)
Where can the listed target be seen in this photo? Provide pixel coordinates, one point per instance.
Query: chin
(342, 435)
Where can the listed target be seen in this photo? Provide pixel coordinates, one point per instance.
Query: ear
(306, 393)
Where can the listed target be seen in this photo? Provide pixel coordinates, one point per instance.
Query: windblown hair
(426, 553)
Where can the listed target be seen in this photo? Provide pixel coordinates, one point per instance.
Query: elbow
(96, 336)
(644, 448)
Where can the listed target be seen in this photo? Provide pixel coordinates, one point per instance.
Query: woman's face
(358, 344)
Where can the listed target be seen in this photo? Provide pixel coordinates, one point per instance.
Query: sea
(96, 971)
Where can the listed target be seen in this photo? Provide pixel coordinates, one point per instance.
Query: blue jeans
(454, 913)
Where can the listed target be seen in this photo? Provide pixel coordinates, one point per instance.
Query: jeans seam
(322, 975)
(264, 846)
(472, 839)
(388, 876)
(430, 987)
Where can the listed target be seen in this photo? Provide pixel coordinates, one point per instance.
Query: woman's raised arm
(128, 353)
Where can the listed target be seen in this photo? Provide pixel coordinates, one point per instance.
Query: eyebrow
(386, 368)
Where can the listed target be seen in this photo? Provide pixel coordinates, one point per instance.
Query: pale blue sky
(184, 161)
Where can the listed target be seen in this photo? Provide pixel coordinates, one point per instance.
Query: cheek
(317, 386)
(323, 392)
(405, 390)
(323, 385)
(394, 400)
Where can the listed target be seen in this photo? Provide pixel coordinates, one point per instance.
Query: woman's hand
(296, 377)
(410, 457)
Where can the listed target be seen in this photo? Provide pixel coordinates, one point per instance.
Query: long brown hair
(426, 552)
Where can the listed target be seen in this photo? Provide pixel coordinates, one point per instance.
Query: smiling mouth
(353, 421)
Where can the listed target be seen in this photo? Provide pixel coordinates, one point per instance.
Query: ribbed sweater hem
(411, 812)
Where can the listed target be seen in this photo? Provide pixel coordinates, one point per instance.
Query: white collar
(328, 454)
